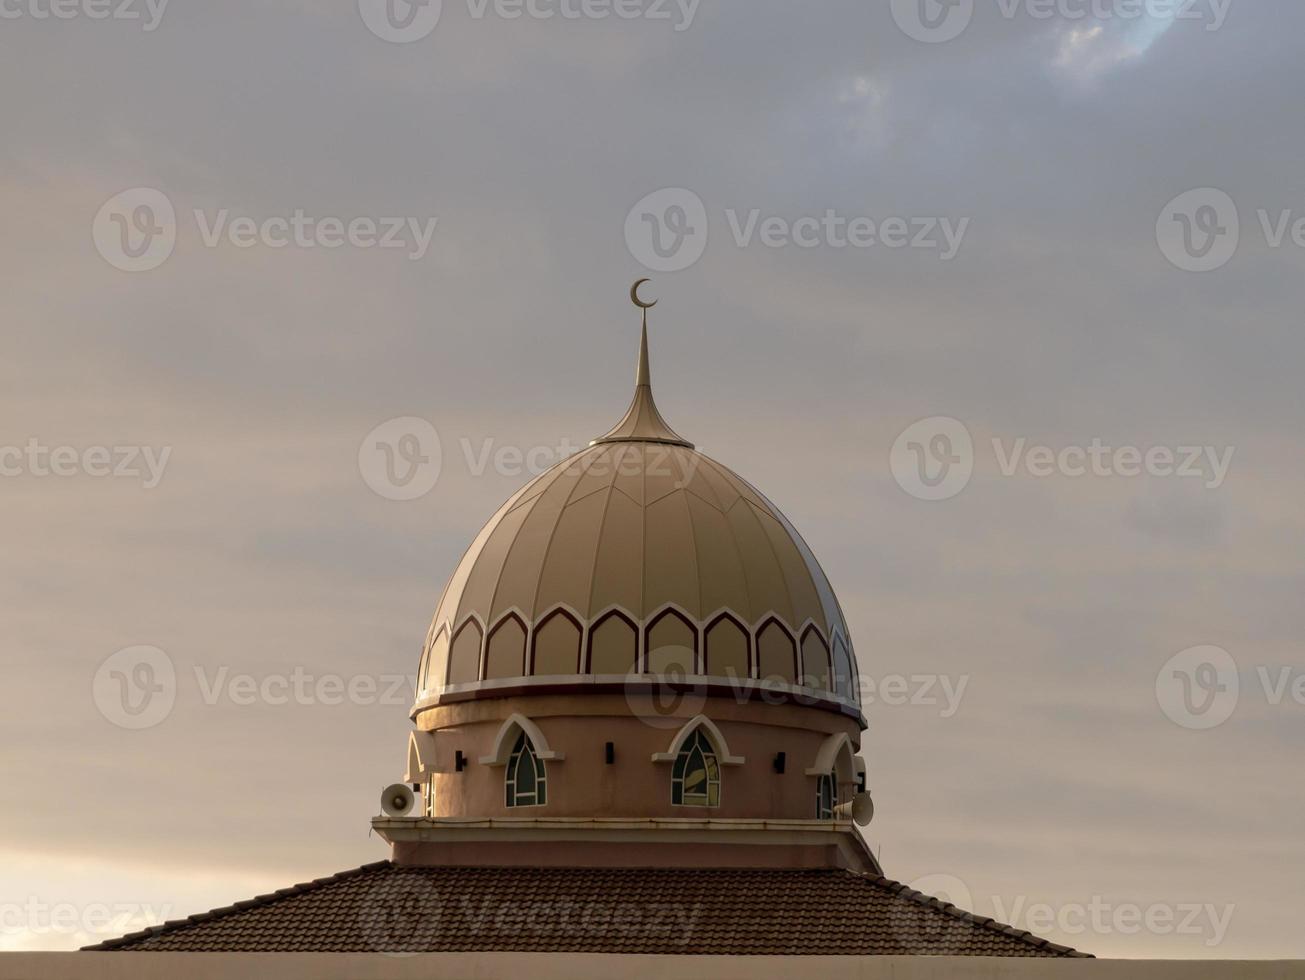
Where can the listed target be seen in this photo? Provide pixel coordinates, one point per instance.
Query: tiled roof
(393, 908)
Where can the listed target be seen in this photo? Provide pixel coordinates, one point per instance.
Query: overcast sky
(1042, 288)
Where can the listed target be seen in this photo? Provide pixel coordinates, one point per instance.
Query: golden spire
(642, 422)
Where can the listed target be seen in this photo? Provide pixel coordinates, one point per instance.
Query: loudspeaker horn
(397, 800)
(860, 809)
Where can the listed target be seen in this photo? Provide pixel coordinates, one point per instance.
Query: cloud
(1059, 320)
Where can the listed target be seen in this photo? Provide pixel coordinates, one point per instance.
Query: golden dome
(638, 556)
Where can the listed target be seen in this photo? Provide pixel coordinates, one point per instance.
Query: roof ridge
(222, 912)
(984, 922)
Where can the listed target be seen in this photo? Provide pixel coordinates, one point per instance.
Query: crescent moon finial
(634, 296)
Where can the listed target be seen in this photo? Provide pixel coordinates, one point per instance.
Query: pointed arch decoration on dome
(670, 623)
(714, 735)
(720, 647)
(509, 731)
(816, 664)
(466, 652)
(434, 667)
(846, 679)
(554, 655)
(777, 651)
(612, 644)
(505, 647)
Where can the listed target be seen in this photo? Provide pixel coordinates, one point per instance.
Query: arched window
(695, 780)
(526, 781)
(826, 796)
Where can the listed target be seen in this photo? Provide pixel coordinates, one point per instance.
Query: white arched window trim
(506, 738)
(836, 755)
(421, 757)
(713, 734)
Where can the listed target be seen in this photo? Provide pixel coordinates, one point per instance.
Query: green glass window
(527, 783)
(695, 780)
(826, 796)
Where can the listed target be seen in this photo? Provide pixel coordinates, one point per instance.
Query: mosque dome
(638, 556)
(637, 634)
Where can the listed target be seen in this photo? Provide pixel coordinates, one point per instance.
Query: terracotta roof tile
(393, 908)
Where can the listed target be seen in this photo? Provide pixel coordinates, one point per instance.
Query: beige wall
(583, 785)
(516, 966)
